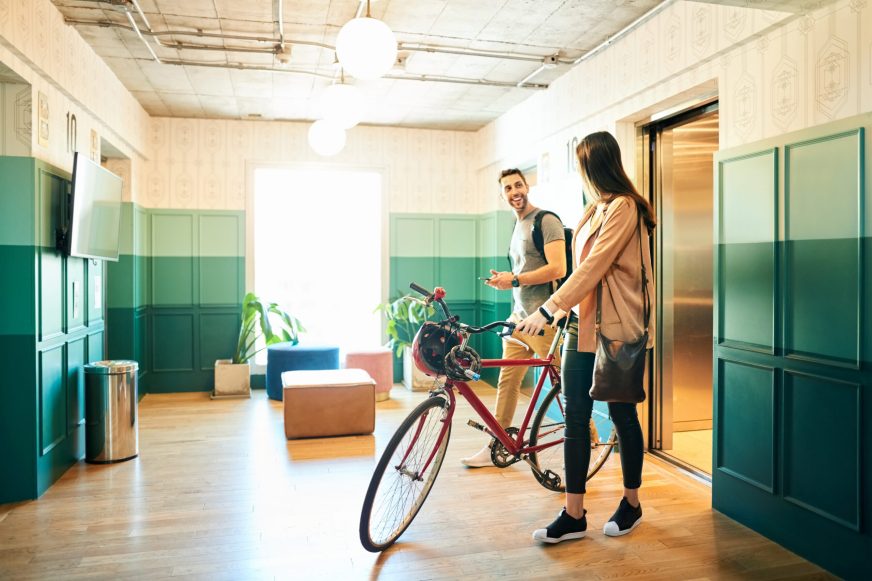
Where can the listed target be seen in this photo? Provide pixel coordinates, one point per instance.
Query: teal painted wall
(175, 295)
(452, 251)
(51, 324)
(793, 342)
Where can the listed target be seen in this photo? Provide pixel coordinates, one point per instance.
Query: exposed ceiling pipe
(281, 22)
(523, 81)
(315, 73)
(624, 31)
(401, 47)
(142, 38)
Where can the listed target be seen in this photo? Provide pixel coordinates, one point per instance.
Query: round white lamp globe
(342, 104)
(366, 48)
(326, 137)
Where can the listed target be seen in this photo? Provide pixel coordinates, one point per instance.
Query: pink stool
(380, 366)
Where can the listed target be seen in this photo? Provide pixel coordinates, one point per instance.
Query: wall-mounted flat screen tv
(95, 217)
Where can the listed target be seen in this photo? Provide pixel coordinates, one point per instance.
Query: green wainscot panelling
(52, 399)
(830, 485)
(746, 283)
(119, 329)
(459, 278)
(219, 332)
(18, 417)
(413, 235)
(77, 291)
(95, 346)
(745, 436)
(172, 341)
(119, 286)
(825, 170)
(222, 280)
(172, 234)
(140, 339)
(17, 290)
(221, 235)
(96, 291)
(406, 270)
(823, 300)
(178, 381)
(75, 382)
(51, 293)
(18, 201)
(173, 281)
(457, 236)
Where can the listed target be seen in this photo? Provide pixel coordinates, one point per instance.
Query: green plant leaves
(264, 320)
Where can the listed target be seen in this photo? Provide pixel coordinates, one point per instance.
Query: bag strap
(646, 306)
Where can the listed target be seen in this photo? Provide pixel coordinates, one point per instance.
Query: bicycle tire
(544, 429)
(386, 516)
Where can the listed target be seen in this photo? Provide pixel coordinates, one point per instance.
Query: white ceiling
(221, 77)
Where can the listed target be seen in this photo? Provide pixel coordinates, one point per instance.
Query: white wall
(772, 73)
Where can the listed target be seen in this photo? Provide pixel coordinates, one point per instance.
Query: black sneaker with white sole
(625, 519)
(563, 528)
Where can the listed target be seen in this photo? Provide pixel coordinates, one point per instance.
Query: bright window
(318, 251)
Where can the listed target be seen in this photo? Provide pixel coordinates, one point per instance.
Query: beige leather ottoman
(330, 402)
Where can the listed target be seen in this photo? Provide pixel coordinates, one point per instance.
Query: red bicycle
(407, 469)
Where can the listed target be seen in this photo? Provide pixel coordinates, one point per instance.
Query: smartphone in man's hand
(484, 278)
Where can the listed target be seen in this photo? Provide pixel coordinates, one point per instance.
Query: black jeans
(576, 376)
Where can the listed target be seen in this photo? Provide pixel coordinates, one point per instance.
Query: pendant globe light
(343, 104)
(366, 47)
(326, 137)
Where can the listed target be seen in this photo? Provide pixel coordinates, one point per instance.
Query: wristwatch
(547, 314)
(515, 282)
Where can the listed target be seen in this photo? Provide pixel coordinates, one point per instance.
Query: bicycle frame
(514, 446)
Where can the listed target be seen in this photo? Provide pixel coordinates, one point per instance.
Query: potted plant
(405, 316)
(263, 324)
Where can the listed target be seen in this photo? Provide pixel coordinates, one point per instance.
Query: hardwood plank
(219, 493)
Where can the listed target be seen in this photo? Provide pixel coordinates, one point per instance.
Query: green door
(792, 342)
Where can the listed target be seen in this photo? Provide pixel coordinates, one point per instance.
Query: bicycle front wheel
(404, 475)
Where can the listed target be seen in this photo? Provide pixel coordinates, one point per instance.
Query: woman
(607, 248)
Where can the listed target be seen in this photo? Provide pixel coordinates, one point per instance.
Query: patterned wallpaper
(203, 164)
(773, 73)
(51, 56)
(15, 119)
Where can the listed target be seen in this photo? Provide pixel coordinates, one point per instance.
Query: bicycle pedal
(476, 425)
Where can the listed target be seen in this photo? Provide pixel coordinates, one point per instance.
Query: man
(530, 281)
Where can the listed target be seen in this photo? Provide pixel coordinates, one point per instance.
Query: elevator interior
(680, 181)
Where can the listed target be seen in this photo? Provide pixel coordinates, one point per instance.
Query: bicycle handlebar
(439, 293)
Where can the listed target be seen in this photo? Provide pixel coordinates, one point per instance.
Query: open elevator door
(679, 158)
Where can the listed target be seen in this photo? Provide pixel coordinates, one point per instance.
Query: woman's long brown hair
(599, 159)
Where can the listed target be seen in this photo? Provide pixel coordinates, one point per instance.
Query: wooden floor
(218, 493)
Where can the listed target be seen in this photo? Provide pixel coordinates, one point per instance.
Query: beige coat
(613, 258)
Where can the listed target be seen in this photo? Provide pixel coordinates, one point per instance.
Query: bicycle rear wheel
(403, 477)
(548, 426)
(603, 437)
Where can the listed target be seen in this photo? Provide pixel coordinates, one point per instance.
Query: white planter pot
(232, 379)
(413, 378)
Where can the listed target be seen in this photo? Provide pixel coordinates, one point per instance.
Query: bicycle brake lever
(511, 339)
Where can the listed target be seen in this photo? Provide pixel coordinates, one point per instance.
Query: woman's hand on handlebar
(534, 324)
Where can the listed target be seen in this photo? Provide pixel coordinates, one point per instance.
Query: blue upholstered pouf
(289, 357)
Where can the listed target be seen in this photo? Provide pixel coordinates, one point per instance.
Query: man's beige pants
(509, 384)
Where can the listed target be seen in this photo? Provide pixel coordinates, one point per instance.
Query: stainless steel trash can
(111, 431)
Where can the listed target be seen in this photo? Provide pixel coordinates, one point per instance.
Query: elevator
(678, 178)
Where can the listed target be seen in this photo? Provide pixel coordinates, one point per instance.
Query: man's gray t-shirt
(525, 258)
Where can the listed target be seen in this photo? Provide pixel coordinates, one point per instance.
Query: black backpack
(539, 242)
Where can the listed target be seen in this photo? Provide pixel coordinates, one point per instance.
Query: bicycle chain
(499, 453)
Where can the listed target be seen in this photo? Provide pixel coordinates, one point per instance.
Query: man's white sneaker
(480, 460)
